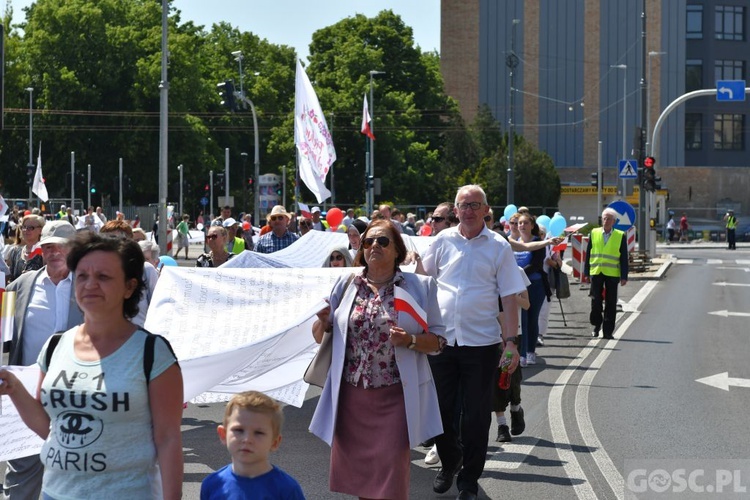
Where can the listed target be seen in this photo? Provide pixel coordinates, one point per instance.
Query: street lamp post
(244, 181)
(511, 61)
(30, 167)
(88, 186)
(256, 188)
(181, 169)
(239, 57)
(371, 173)
(624, 68)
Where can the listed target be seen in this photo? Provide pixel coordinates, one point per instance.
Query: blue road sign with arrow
(626, 214)
(628, 169)
(730, 90)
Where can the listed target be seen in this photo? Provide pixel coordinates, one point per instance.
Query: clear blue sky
(292, 22)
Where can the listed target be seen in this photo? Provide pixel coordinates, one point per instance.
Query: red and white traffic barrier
(169, 241)
(631, 238)
(579, 244)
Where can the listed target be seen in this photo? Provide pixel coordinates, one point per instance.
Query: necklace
(373, 282)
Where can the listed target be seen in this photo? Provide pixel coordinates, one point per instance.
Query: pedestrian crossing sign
(628, 169)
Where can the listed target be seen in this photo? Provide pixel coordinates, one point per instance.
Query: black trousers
(463, 376)
(603, 320)
(731, 239)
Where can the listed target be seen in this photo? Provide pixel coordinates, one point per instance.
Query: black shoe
(517, 423)
(503, 434)
(595, 333)
(444, 479)
(428, 444)
(466, 495)
(608, 337)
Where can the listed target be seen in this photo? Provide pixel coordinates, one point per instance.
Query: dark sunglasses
(487, 218)
(276, 217)
(513, 223)
(438, 219)
(383, 241)
(212, 236)
(336, 257)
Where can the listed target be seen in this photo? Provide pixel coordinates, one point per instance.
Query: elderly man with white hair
(607, 265)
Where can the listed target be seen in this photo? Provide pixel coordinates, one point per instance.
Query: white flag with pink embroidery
(311, 136)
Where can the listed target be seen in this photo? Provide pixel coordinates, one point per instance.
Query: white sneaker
(432, 456)
(531, 358)
(523, 361)
(540, 341)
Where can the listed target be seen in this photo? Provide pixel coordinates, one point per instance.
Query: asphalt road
(595, 409)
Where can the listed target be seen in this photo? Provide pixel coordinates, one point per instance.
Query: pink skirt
(370, 456)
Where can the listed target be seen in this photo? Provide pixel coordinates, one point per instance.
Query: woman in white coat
(379, 399)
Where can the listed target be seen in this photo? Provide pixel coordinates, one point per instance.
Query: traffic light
(93, 188)
(279, 190)
(226, 91)
(250, 183)
(649, 174)
(595, 179)
(30, 174)
(206, 190)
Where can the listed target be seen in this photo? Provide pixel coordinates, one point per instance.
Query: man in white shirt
(472, 266)
(45, 304)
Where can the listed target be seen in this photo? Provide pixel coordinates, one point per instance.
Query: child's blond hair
(257, 402)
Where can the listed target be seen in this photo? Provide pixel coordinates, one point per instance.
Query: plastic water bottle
(504, 382)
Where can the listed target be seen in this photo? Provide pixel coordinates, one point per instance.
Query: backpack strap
(148, 356)
(148, 353)
(53, 341)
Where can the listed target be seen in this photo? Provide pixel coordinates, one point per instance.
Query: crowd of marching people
(429, 379)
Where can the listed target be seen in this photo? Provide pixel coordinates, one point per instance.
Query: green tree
(407, 113)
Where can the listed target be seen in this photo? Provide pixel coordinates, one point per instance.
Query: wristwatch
(413, 343)
(513, 339)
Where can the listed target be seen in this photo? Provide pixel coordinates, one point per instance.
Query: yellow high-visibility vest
(605, 259)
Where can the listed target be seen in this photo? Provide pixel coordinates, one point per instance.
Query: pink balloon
(334, 217)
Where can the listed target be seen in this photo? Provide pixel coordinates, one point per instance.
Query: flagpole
(333, 186)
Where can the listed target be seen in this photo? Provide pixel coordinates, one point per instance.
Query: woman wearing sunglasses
(216, 239)
(339, 257)
(379, 400)
(23, 256)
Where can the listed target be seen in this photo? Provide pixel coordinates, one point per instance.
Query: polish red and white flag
(366, 130)
(404, 302)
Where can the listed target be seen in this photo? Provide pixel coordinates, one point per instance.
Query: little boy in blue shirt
(251, 431)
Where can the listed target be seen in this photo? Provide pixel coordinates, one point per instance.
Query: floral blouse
(370, 356)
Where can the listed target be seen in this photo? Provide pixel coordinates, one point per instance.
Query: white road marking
(572, 468)
(726, 314)
(684, 261)
(511, 455)
(714, 262)
(724, 381)
(743, 262)
(724, 283)
(583, 416)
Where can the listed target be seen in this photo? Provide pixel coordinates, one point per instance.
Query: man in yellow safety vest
(607, 265)
(731, 222)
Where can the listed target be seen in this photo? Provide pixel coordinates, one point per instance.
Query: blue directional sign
(730, 90)
(204, 201)
(626, 214)
(628, 169)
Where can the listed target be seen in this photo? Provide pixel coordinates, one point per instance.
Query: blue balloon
(166, 260)
(543, 221)
(509, 211)
(557, 225)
